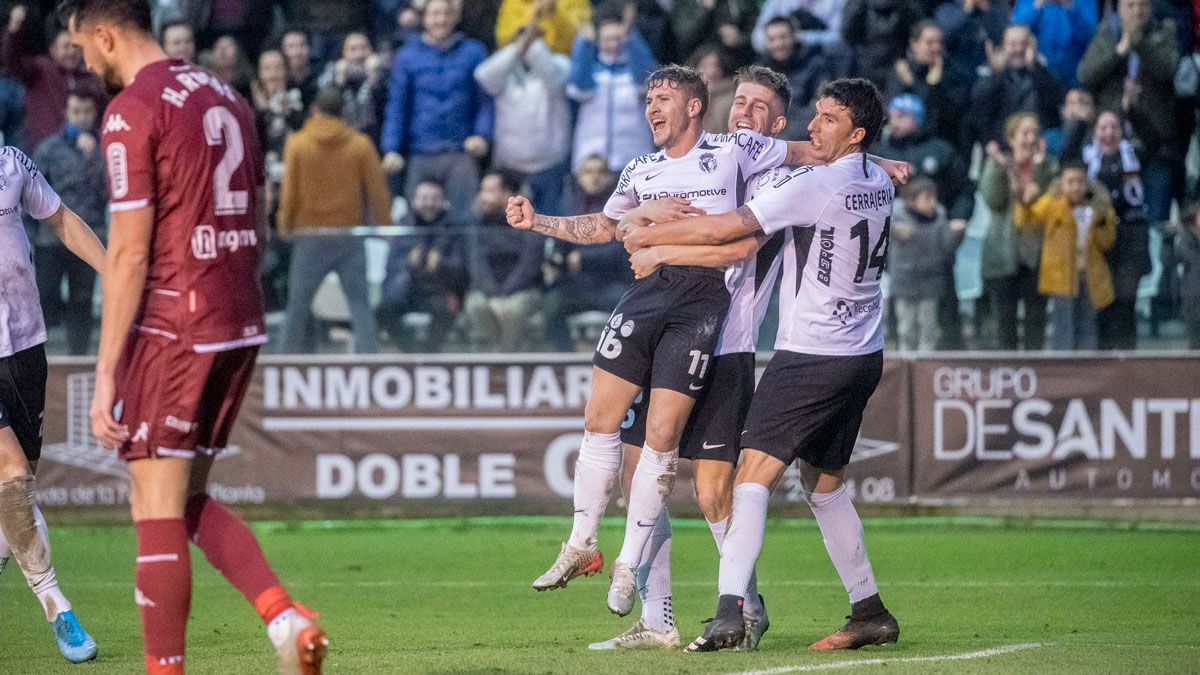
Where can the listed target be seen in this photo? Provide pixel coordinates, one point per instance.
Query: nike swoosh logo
(655, 175)
(649, 524)
(695, 388)
(580, 510)
(706, 446)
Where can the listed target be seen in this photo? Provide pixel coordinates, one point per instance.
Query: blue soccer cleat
(73, 641)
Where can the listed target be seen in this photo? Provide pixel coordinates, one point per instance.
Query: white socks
(24, 530)
(595, 474)
(751, 605)
(843, 532)
(654, 578)
(744, 539)
(652, 484)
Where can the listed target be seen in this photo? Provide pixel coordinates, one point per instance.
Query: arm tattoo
(749, 221)
(593, 228)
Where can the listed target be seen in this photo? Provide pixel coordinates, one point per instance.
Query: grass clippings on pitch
(453, 596)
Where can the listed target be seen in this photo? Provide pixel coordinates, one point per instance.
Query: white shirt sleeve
(37, 197)
(797, 199)
(756, 153)
(624, 197)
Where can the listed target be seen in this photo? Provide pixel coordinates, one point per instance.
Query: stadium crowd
(1051, 205)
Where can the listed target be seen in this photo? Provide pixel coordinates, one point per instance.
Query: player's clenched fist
(519, 213)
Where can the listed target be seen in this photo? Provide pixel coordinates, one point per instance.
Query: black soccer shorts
(665, 328)
(715, 427)
(811, 407)
(23, 397)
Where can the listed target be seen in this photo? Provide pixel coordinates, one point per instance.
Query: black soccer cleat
(869, 624)
(726, 630)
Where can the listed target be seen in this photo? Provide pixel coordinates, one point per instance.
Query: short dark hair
(866, 106)
(511, 180)
(681, 77)
(434, 182)
(608, 12)
(1073, 164)
(84, 93)
(918, 186)
(920, 27)
(162, 31)
(130, 13)
(774, 80)
(785, 20)
(329, 101)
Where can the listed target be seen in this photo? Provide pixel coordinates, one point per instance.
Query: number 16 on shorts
(610, 339)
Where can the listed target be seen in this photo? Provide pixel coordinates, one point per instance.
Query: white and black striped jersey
(713, 175)
(829, 300)
(752, 280)
(22, 188)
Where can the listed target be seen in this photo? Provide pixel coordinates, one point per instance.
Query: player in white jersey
(664, 327)
(23, 532)
(829, 357)
(710, 438)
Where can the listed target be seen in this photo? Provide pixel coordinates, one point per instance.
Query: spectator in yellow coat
(558, 19)
(1079, 226)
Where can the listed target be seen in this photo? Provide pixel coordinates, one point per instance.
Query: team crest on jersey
(708, 162)
(115, 123)
(3, 182)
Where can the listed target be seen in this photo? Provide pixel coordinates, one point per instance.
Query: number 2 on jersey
(877, 257)
(221, 127)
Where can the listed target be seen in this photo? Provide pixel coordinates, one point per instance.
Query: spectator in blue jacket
(436, 113)
(609, 65)
(1063, 29)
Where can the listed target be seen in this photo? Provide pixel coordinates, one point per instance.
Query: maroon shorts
(177, 402)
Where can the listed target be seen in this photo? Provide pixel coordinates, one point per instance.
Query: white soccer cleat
(639, 636)
(571, 563)
(299, 643)
(623, 589)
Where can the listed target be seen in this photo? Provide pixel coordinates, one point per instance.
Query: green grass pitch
(453, 596)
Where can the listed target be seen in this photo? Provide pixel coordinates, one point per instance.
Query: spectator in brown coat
(330, 172)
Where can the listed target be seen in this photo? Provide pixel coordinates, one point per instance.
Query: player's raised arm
(644, 261)
(78, 237)
(593, 228)
(123, 280)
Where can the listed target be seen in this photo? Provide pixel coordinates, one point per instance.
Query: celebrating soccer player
(711, 436)
(182, 321)
(810, 401)
(663, 332)
(23, 532)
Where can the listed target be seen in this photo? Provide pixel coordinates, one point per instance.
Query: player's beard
(112, 80)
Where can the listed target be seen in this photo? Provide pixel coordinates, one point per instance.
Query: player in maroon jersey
(182, 321)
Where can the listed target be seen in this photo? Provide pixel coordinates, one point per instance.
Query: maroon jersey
(184, 143)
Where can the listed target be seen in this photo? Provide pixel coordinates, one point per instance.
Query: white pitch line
(858, 663)
(436, 583)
